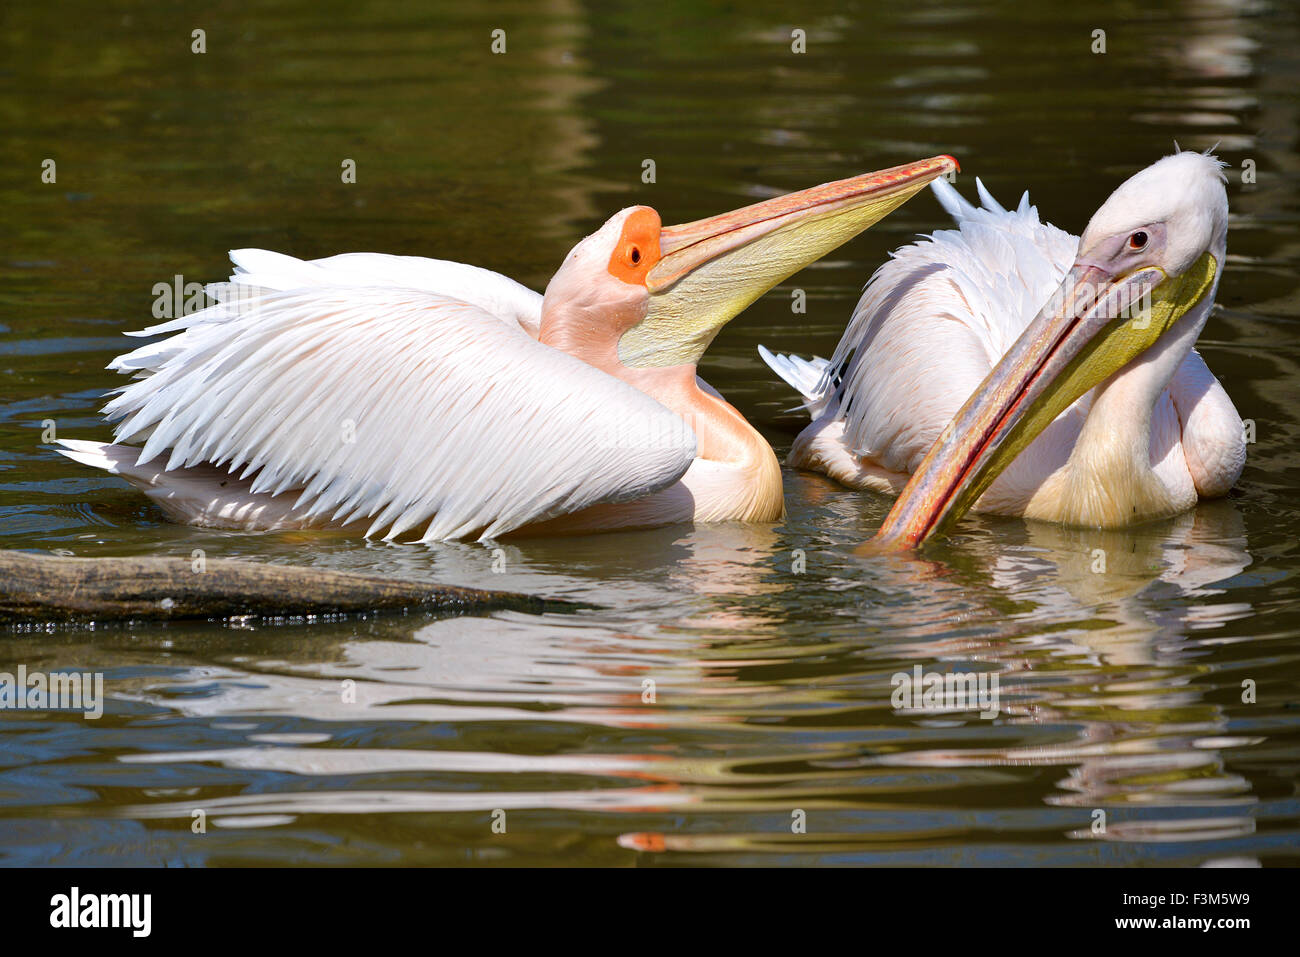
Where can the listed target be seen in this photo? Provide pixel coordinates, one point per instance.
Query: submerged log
(51, 588)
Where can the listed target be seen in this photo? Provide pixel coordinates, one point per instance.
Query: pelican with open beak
(401, 395)
(1093, 410)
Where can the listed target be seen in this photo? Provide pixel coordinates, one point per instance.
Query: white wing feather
(490, 291)
(396, 405)
(808, 377)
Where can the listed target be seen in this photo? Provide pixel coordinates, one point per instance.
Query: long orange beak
(860, 200)
(710, 270)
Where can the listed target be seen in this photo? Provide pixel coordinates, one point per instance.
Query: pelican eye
(1138, 240)
(634, 254)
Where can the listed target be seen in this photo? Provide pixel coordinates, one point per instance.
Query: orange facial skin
(637, 249)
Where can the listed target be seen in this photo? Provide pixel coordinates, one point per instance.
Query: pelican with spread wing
(410, 396)
(954, 386)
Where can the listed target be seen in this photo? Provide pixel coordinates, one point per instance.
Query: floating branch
(50, 588)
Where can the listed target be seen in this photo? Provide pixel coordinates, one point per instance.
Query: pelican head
(1134, 301)
(640, 295)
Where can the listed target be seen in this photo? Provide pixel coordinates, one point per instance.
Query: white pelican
(1082, 412)
(417, 394)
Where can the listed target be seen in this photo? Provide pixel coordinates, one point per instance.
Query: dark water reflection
(1121, 689)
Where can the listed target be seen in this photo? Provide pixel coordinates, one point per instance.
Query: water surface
(769, 649)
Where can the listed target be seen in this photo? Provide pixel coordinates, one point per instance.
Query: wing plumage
(806, 376)
(492, 292)
(376, 400)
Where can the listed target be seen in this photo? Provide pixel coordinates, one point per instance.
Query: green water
(1122, 692)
